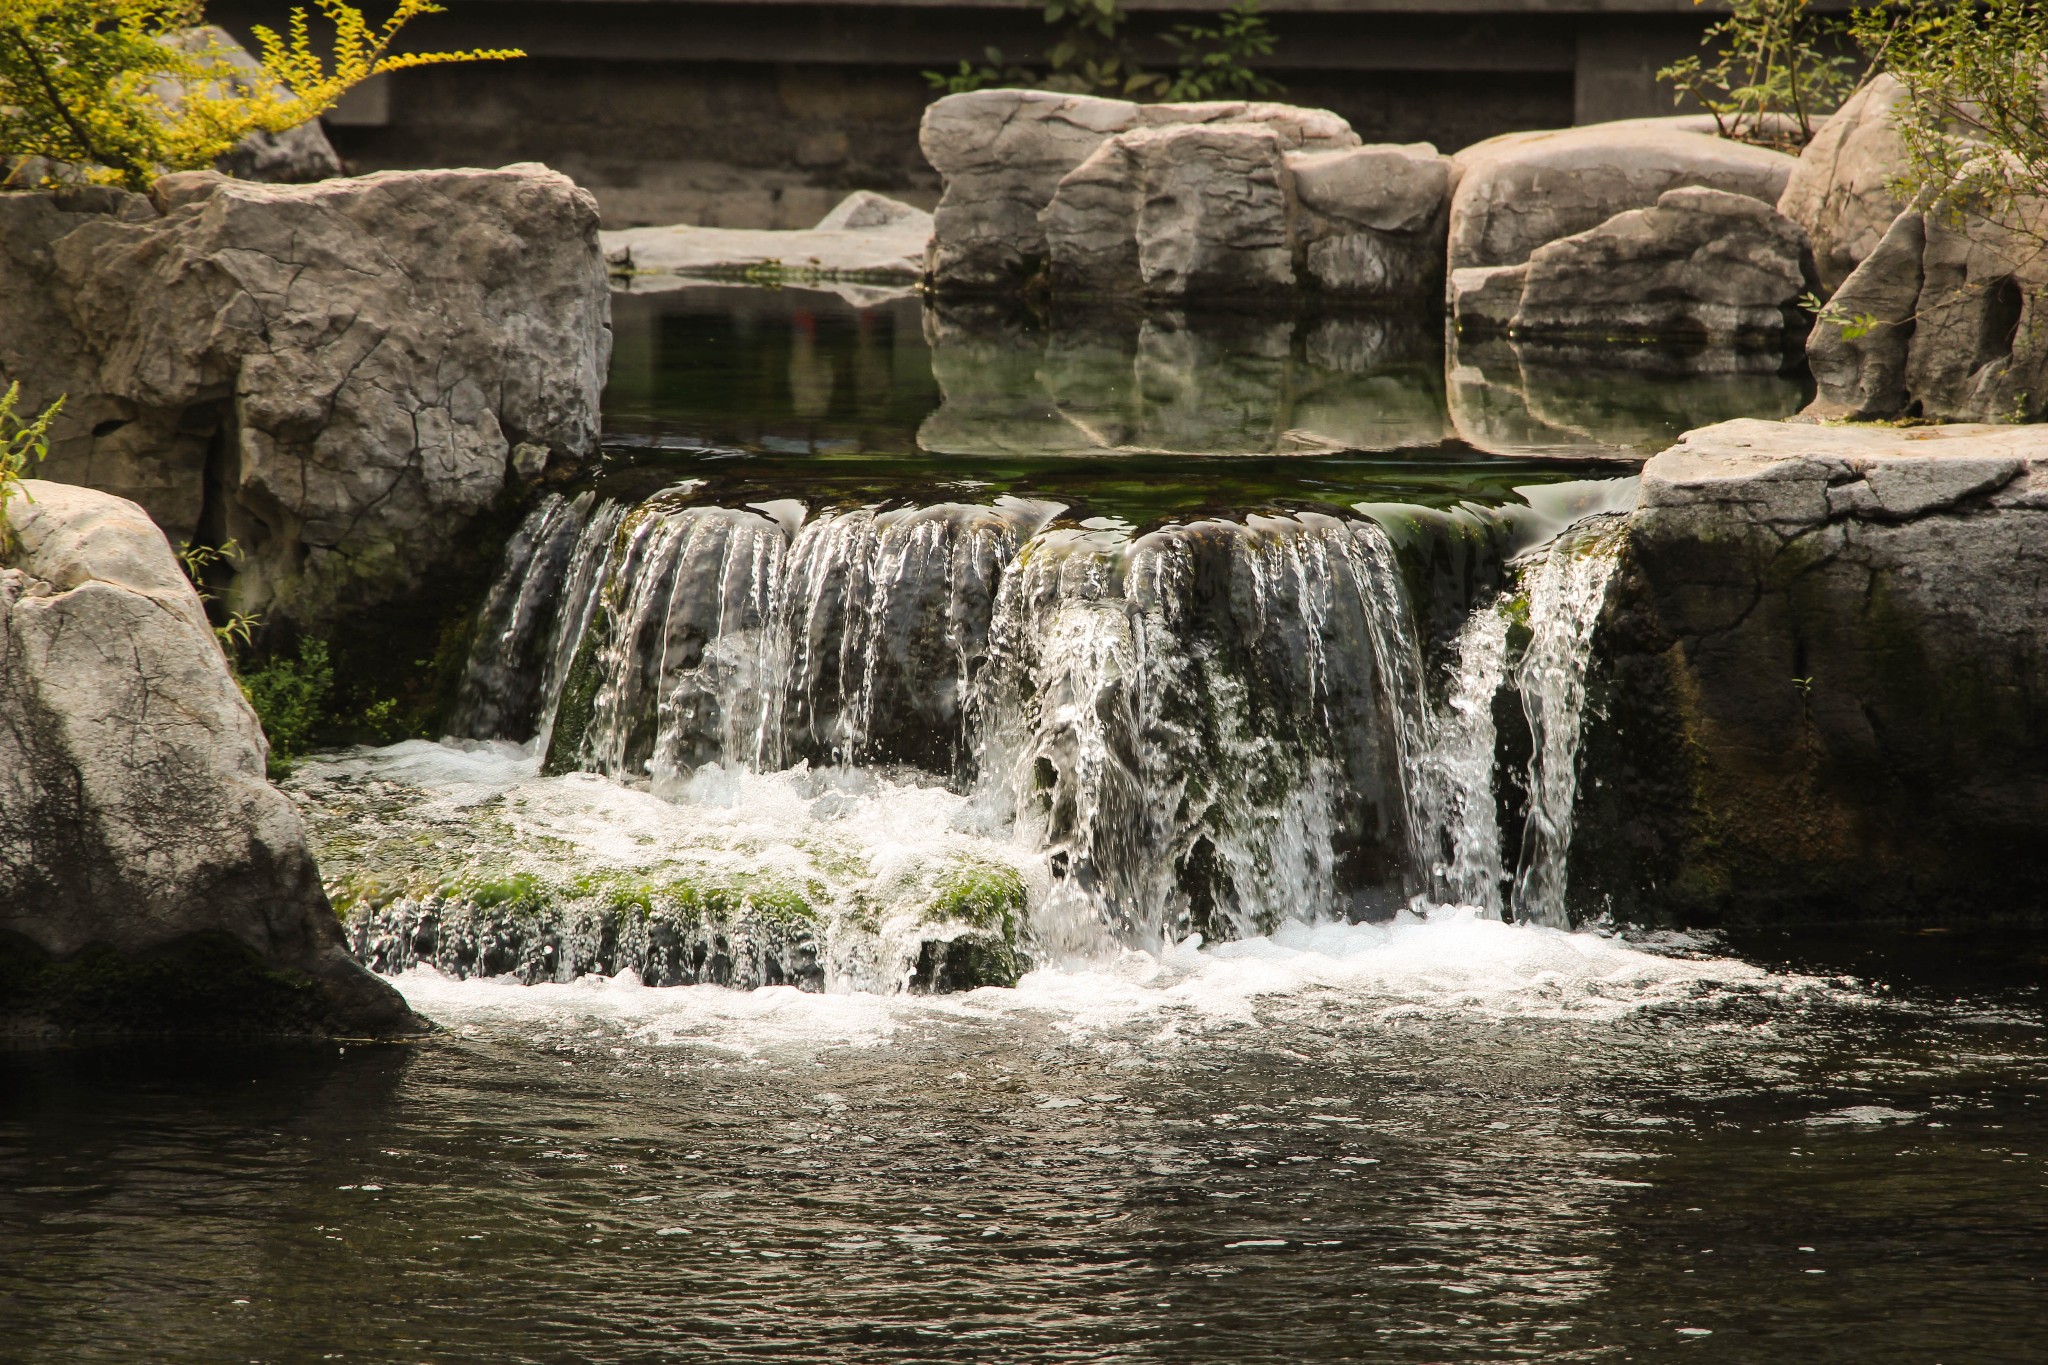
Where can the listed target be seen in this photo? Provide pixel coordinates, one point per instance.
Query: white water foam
(1452, 962)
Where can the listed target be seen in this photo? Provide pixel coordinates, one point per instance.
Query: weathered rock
(1172, 211)
(1228, 210)
(1942, 321)
(1703, 264)
(1518, 191)
(353, 370)
(1372, 220)
(1212, 211)
(150, 877)
(868, 237)
(1485, 298)
(1003, 153)
(1840, 191)
(1859, 367)
(1825, 671)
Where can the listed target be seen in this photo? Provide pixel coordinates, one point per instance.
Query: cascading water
(1209, 728)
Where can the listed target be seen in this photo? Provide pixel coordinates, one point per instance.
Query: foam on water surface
(1450, 963)
(865, 831)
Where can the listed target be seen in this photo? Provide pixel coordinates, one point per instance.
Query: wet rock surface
(151, 879)
(339, 377)
(1822, 666)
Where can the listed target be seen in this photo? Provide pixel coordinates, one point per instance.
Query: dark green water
(1426, 1143)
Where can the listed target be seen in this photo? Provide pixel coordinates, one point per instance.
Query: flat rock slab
(867, 238)
(1787, 474)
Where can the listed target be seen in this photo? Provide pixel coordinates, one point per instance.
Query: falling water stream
(982, 843)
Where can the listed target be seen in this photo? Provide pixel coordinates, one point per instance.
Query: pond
(983, 836)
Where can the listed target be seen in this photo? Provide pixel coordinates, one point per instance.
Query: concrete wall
(763, 114)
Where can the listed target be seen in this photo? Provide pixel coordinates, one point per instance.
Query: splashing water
(1211, 730)
(1565, 590)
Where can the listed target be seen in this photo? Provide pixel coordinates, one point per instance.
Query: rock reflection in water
(1174, 382)
(1522, 397)
(816, 372)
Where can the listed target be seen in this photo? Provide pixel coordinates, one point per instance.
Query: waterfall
(1565, 590)
(1208, 728)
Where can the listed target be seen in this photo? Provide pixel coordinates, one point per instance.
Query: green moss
(578, 700)
(985, 895)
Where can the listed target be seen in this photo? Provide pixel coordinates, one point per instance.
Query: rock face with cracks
(1701, 265)
(1824, 673)
(1943, 320)
(151, 879)
(1518, 191)
(338, 376)
(1004, 153)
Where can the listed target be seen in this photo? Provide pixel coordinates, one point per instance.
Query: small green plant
(290, 697)
(23, 441)
(121, 91)
(1093, 54)
(197, 560)
(1772, 68)
(1216, 60)
(1851, 326)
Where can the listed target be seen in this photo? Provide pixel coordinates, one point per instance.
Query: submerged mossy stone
(978, 914)
(675, 932)
(1823, 669)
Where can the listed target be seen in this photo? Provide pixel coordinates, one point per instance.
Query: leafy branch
(1772, 69)
(23, 441)
(1094, 55)
(121, 91)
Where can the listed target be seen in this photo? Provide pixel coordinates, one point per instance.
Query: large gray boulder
(1943, 320)
(150, 877)
(1841, 189)
(355, 370)
(1518, 191)
(1003, 153)
(1230, 209)
(1173, 211)
(1824, 665)
(1372, 220)
(1701, 265)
